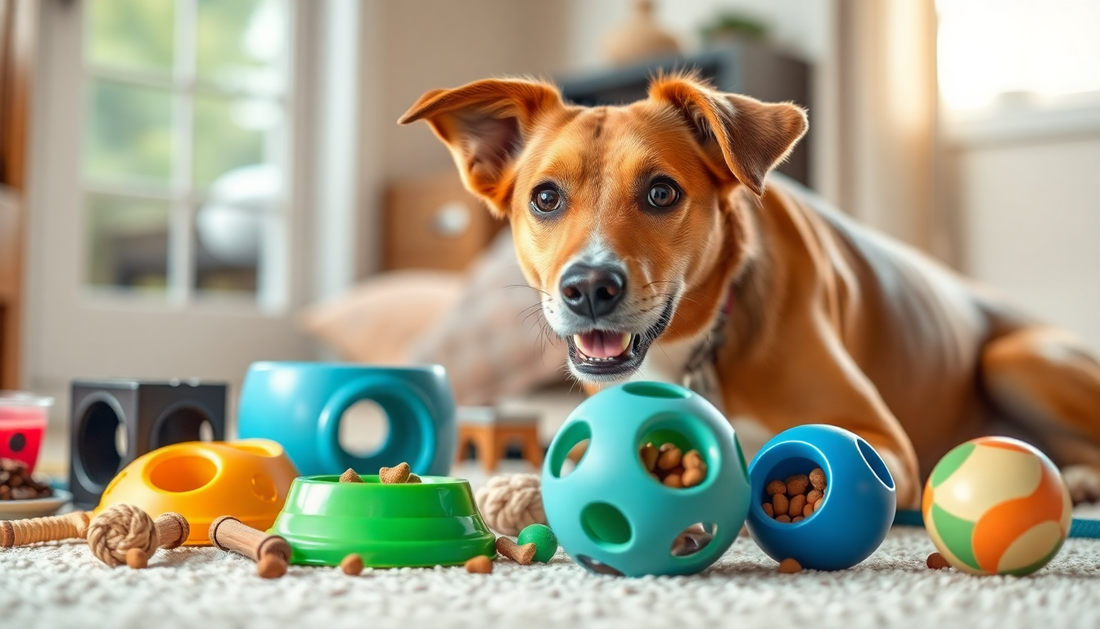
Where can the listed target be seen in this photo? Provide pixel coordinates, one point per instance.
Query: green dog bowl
(434, 522)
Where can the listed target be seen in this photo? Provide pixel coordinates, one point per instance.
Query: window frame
(182, 193)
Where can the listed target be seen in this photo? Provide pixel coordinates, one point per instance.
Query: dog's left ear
(485, 125)
(753, 137)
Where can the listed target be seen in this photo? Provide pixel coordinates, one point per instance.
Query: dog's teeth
(625, 341)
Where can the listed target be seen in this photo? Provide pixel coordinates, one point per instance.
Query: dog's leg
(1047, 381)
(825, 386)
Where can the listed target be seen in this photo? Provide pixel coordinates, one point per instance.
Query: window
(185, 149)
(1027, 52)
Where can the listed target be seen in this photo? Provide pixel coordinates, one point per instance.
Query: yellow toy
(996, 505)
(202, 481)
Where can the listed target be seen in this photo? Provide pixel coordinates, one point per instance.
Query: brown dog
(647, 229)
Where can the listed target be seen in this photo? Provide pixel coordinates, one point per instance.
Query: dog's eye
(663, 195)
(546, 198)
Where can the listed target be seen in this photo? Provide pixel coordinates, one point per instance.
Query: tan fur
(831, 323)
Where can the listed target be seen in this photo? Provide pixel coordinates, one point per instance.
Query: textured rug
(62, 585)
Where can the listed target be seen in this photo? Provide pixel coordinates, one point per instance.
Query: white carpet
(63, 586)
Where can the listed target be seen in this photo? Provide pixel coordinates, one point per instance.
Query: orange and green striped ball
(996, 505)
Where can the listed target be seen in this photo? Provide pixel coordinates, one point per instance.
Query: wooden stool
(490, 433)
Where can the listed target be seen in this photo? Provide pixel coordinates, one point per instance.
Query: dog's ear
(752, 137)
(485, 124)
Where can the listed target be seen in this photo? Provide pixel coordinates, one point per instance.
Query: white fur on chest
(667, 362)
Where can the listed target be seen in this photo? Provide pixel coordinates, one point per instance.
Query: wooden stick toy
(48, 529)
(124, 534)
(270, 552)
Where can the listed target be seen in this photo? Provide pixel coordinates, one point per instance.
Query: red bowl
(23, 419)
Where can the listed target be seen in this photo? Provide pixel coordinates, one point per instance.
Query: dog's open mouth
(614, 353)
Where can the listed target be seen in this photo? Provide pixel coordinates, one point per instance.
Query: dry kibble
(769, 510)
(817, 479)
(16, 482)
(814, 496)
(789, 566)
(781, 504)
(649, 454)
(797, 503)
(479, 565)
(674, 481)
(694, 461)
(350, 477)
(670, 457)
(807, 510)
(937, 562)
(783, 517)
(692, 477)
(797, 518)
(394, 475)
(352, 565)
(797, 485)
(776, 487)
(413, 478)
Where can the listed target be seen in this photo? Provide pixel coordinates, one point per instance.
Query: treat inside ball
(821, 496)
(996, 505)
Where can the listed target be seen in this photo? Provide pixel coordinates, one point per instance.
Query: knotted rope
(509, 503)
(120, 529)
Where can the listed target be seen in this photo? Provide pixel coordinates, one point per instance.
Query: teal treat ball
(546, 543)
(611, 515)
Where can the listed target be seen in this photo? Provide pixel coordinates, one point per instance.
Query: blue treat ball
(610, 515)
(851, 520)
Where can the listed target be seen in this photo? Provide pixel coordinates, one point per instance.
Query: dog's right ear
(485, 124)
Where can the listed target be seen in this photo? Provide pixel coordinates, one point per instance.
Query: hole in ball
(875, 462)
(569, 448)
(605, 524)
(656, 389)
(672, 457)
(793, 490)
(597, 567)
(694, 539)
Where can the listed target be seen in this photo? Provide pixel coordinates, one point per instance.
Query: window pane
(231, 133)
(242, 42)
(128, 135)
(131, 34)
(237, 229)
(127, 243)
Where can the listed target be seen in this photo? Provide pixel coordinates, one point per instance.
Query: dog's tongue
(600, 344)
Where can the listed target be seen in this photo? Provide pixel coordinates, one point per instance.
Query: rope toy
(53, 528)
(510, 503)
(124, 534)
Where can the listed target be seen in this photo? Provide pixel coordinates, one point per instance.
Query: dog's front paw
(1083, 482)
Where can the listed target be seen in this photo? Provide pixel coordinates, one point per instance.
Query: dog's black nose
(592, 291)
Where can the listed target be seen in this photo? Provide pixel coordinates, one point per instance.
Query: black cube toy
(152, 414)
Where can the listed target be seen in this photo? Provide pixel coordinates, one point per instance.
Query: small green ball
(546, 543)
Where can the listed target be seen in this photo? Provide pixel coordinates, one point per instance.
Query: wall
(1030, 208)
(799, 26)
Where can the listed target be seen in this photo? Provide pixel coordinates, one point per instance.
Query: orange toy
(205, 480)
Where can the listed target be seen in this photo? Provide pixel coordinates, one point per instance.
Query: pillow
(484, 326)
(378, 320)
(491, 341)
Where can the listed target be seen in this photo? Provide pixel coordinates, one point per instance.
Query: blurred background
(187, 186)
